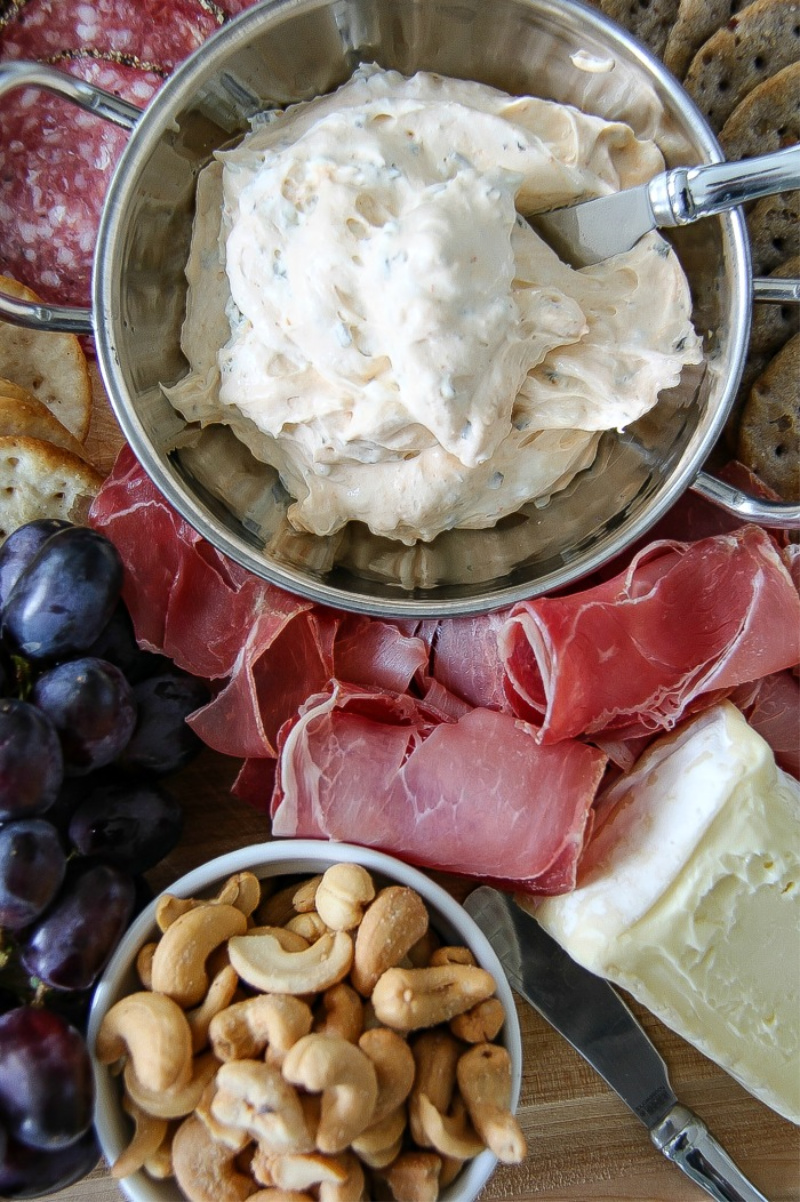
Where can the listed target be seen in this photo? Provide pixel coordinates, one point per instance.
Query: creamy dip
(371, 314)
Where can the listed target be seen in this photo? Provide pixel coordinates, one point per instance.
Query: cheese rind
(690, 900)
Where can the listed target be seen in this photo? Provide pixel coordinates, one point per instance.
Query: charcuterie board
(584, 1144)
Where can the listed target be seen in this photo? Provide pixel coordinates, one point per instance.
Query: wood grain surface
(584, 1145)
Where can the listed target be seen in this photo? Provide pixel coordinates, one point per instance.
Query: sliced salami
(55, 164)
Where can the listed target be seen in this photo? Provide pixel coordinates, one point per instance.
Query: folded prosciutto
(683, 621)
(478, 795)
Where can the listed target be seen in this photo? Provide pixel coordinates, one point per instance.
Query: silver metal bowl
(290, 50)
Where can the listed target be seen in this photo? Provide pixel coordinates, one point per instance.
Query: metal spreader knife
(591, 1015)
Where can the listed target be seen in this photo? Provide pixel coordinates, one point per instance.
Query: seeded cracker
(28, 417)
(696, 21)
(40, 480)
(767, 119)
(774, 231)
(51, 366)
(769, 434)
(650, 23)
(757, 43)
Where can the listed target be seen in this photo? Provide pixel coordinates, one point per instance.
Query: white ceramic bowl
(282, 858)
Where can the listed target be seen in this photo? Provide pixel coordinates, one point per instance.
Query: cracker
(29, 417)
(12, 388)
(756, 43)
(695, 22)
(650, 23)
(38, 479)
(773, 227)
(773, 323)
(51, 366)
(767, 119)
(769, 431)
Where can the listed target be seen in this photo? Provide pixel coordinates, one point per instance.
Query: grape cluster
(89, 724)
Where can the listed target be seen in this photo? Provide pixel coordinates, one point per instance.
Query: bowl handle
(37, 315)
(774, 514)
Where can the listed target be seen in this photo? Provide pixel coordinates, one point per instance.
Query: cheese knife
(592, 1016)
(596, 229)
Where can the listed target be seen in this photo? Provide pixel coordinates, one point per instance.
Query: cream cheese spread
(689, 898)
(371, 314)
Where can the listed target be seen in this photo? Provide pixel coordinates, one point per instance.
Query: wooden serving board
(584, 1145)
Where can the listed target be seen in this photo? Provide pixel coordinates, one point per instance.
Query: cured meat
(466, 660)
(686, 621)
(176, 585)
(372, 652)
(148, 31)
(772, 707)
(55, 164)
(477, 796)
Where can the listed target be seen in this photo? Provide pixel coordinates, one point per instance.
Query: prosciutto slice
(685, 621)
(477, 796)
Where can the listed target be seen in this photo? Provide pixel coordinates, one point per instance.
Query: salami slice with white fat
(55, 165)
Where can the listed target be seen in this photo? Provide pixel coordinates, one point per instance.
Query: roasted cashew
(242, 890)
(298, 1170)
(309, 925)
(436, 1055)
(341, 1012)
(396, 920)
(261, 962)
(290, 941)
(451, 955)
(272, 1194)
(243, 1030)
(484, 1078)
(275, 911)
(342, 894)
(419, 954)
(176, 1102)
(154, 1033)
(394, 1066)
(304, 897)
(159, 1164)
(481, 1024)
(380, 1144)
(149, 1134)
(414, 1177)
(254, 1096)
(144, 964)
(344, 1076)
(205, 1169)
(349, 1190)
(220, 994)
(233, 1137)
(410, 998)
(452, 1134)
(179, 963)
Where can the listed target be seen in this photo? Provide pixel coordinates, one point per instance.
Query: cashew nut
(243, 1030)
(159, 1164)
(299, 1170)
(271, 1194)
(233, 1137)
(290, 941)
(205, 1169)
(380, 1144)
(481, 1024)
(342, 894)
(242, 890)
(220, 994)
(254, 1096)
(276, 910)
(451, 955)
(149, 1134)
(179, 962)
(414, 1177)
(394, 1066)
(304, 897)
(484, 1078)
(395, 921)
(261, 962)
(144, 964)
(154, 1033)
(344, 1076)
(349, 1190)
(176, 1102)
(452, 1134)
(410, 998)
(308, 924)
(436, 1055)
(341, 1013)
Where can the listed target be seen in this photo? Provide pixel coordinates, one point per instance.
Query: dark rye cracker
(695, 22)
(769, 431)
(774, 231)
(650, 22)
(756, 43)
(767, 119)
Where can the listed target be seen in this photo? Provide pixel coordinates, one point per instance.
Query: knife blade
(594, 1019)
(596, 229)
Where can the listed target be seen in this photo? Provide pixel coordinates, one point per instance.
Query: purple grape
(32, 867)
(132, 825)
(117, 643)
(162, 742)
(20, 548)
(31, 762)
(91, 705)
(31, 1173)
(71, 944)
(46, 1083)
(64, 597)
